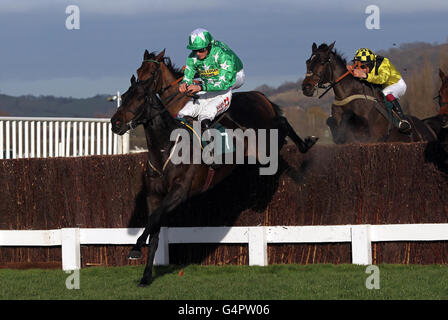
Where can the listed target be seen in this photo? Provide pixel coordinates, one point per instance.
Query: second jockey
(379, 70)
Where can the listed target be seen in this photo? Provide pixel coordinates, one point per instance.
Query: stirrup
(404, 126)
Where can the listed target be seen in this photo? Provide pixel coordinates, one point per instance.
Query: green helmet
(199, 39)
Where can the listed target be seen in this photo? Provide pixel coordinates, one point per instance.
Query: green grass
(231, 282)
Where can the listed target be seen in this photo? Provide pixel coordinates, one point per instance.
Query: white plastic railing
(257, 238)
(37, 137)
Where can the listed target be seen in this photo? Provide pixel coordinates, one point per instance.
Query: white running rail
(257, 238)
(37, 137)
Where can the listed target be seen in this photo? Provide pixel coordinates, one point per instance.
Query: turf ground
(193, 282)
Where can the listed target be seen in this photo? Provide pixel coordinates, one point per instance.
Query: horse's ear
(331, 46)
(146, 55)
(132, 79)
(441, 74)
(314, 47)
(160, 55)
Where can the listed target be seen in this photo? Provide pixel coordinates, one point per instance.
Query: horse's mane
(170, 65)
(339, 56)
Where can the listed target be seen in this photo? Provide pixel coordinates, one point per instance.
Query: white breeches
(397, 89)
(211, 103)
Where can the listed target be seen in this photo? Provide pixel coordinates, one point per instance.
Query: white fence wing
(31, 137)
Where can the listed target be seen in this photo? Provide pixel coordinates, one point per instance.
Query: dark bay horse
(165, 77)
(168, 185)
(439, 122)
(356, 114)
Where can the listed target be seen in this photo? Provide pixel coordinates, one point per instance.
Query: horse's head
(318, 69)
(133, 110)
(443, 91)
(150, 68)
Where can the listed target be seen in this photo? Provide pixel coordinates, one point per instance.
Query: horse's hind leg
(303, 145)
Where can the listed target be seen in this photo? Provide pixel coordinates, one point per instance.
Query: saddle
(227, 144)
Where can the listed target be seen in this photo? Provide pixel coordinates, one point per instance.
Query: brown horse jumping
(357, 113)
(169, 185)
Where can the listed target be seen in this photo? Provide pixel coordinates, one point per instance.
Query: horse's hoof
(144, 283)
(309, 142)
(134, 255)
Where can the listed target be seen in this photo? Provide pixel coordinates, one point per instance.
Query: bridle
(158, 73)
(320, 83)
(154, 82)
(441, 102)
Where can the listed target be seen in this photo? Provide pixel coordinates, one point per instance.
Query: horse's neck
(349, 85)
(175, 104)
(158, 133)
(167, 79)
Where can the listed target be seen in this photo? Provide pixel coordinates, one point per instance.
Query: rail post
(71, 249)
(361, 245)
(257, 242)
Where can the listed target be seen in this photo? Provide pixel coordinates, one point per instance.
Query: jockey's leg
(191, 109)
(392, 93)
(214, 104)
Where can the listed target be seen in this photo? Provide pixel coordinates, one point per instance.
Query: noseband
(441, 102)
(320, 83)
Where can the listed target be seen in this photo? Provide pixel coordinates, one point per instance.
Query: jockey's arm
(189, 72)
(226, 76)
(383, 74)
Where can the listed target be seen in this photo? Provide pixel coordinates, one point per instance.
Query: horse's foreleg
(152, 202)
(339, 132)
(302, 145)
(332, 123)
(177, 195)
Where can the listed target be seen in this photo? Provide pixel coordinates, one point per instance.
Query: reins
(356, 65)
(171, 84)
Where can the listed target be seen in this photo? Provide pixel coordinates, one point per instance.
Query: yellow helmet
(364, 55)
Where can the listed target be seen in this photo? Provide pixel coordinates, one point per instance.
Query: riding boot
(189, 120)
(403, 124)
(205, 125)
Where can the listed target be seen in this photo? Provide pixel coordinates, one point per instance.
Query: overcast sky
(39, 55)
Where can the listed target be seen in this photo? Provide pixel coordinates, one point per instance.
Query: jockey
(220, 71)
(379, 70)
